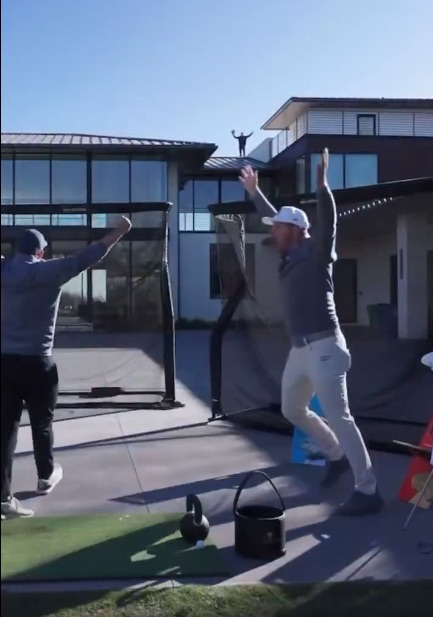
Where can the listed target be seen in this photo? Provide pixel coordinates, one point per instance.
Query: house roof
(191, 155)
(234, 163)
(296, 106)
(82, 139)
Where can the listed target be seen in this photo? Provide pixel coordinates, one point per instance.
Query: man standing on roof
(30, 295)
(319, 358)
(242, 140)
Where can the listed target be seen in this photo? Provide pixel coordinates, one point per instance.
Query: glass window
(361, 170)
(32, 180)
(205, 193)
(32, 220)
(335, 171)
(7, 178)
(110, 180)
(366, 124)
(232, 190)
(111, 289)
(300, 176)
(186, 196)
(69, 220)
(148, 180)
(146, 303)
(69, 180)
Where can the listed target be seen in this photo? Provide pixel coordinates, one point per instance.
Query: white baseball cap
(289, 214)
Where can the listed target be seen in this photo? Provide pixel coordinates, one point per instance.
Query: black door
(346, 290)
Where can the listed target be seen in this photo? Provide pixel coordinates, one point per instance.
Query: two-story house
(385, 255)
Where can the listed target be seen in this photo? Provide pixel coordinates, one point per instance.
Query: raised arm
(326, 224)
(250, 181)
(60, 271)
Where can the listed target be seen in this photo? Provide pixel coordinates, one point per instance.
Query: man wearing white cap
(319, 358)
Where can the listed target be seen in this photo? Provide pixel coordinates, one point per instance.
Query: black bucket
(260, 531)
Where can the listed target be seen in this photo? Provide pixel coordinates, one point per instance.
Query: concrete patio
(141, 460)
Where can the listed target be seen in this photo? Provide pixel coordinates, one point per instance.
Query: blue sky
(195, 69)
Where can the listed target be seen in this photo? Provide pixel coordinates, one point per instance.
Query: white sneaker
(13, 509)
(47, 486)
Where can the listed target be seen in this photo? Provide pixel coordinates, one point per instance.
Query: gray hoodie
(30, 295)
(305, 272)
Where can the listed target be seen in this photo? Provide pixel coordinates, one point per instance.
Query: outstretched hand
(322, 169)
(250, 180)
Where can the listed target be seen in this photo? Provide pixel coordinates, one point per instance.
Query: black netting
(122, 341)
(391, 393)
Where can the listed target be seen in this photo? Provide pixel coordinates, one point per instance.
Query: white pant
(320, 368)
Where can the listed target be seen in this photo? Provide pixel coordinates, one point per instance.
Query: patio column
(412, 276)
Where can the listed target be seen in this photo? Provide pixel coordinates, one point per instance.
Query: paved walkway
(127, 462)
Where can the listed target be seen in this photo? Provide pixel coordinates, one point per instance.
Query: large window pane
(335, 171)
(73, 308)
(32, 220)
(69, 180)
(7, 181)
(232, 190)
(148, 180)
(361, 170)
(205, 193)
(32, 180)
(69, 220)
(186, 206)
(146, 304)
(110, 180)
(111, 289)
(300, 176)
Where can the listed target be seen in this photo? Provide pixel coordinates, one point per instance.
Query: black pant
(32, 380)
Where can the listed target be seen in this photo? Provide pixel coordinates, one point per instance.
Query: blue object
(304, 451)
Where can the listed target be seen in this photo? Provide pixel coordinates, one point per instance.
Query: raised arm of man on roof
(325, 230)
(250, 181)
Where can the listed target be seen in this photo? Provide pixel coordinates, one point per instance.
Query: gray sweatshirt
(30, 295)
(305, 272)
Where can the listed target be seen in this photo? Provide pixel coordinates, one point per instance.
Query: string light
(373, 204)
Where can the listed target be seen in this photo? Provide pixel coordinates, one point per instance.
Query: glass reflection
(35, 220)
(148, 180)
(32, 180)
(69, 180)
(146, 305)
(335, 171)
(73, 307)
(111, 290)
(110, 180)
(6, 181)
(205, 193)
(361, 170)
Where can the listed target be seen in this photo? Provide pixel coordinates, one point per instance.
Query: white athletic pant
(320, 368)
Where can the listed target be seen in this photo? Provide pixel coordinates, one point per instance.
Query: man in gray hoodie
(30, 295)
(319, 358)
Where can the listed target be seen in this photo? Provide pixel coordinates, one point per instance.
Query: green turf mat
(102, 547)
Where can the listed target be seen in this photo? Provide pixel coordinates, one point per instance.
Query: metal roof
(77, 139)
(235, 163)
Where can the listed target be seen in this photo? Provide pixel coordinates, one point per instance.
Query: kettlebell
(194, 526)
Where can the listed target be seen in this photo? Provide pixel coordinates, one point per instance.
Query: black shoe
(333, 472)
(361, 504)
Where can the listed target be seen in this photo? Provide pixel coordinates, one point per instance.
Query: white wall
(194, 277)
(373, 257)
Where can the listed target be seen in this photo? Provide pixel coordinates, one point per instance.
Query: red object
(418, 466)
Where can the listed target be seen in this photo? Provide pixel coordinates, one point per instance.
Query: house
(72, 182)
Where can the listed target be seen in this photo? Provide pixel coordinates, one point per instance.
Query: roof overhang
(294, 107)
(190, 156)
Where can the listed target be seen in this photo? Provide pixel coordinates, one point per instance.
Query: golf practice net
(390, 392)
(126, 355)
